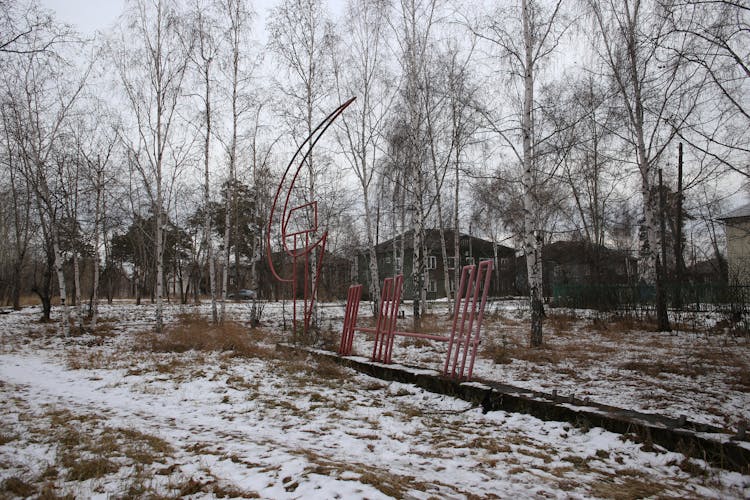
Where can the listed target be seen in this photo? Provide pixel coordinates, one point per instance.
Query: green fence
(686, 296)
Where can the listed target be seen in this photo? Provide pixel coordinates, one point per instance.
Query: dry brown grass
(84, 469)
(657, 368)
(6, 438)
(387, 482)
(431, 323)
(416, 342)
(329, 340)
(499, 321)
(741, 379)
(299, 367)
(30, 300)
(617, 327)
(561, 324)
(17, 486)
(539, 355)
(491, 445)
(49, 493)
(497, 351)
(88, 449)
(195, 333)
(88, 359)
(624, 488)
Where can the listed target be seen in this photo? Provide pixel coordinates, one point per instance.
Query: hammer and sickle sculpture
(300, 242)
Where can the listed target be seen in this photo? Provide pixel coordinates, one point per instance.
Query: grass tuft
(658, 368)
(7, 438)
(195, 333)
(93, 468)
(18, 487)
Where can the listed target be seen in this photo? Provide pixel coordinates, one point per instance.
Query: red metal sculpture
(465, 335)
(301, 243)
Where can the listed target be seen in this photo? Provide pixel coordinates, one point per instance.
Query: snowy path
(267, 435)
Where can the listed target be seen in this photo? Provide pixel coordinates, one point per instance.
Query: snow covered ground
(124, 414)
(696, 371)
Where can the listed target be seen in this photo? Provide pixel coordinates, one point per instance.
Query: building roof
(433, 240)
(738, 213)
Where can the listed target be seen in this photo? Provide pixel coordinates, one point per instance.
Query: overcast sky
(88, 16)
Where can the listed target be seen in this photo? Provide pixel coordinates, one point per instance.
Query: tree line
(147, 156)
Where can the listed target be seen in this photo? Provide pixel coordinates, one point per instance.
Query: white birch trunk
(65, 318)
(207, 192)
(97, 222)
(255, 310)
(444, 256)
(649, 239)
(532, 236)
(373, 265)
(234, 15)
(77, 284)
(227, 222)
(456, 237)
(159, 238)
(417, 273)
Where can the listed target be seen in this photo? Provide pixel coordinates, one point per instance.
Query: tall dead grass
(195, 333)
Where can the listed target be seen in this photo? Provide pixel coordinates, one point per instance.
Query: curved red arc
(312, 140)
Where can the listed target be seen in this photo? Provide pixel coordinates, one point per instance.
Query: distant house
(581, 263)
(737, 227)
(472, 251)
(707, 272)
(333, 283)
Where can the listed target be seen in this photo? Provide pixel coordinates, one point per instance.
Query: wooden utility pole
(679, 261)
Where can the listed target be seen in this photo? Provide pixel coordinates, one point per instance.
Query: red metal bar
(467, 336)
(310, 289)
(465, 300)
(354, 315)
(387, 285)
(398, 286)
(294, 294)
(472, 315)
(390, 298)
(418, 335)
(385, 326)
(306, 280)
(350, 319)
(456, 309)
(345, 328)
(485, 289)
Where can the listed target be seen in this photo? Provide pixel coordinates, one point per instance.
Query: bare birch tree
(524, 49)
(719, 50)
(38, 130)
(152, 58)
(97, 145)
(300, 35)
(43, 89)
(360, 70)
(238, 16)
(453, 104)
(20, 226)
(658, 97)
(26, 28)
(204, 55)
(413, 25)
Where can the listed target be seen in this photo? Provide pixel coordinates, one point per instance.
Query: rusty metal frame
(350, 319)
(473, 278)
(468, 313)
(303, 242)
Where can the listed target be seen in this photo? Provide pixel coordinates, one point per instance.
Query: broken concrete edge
(716, 448)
